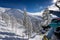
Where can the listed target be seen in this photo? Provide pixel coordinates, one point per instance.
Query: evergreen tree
(27, 23)
(46, 17)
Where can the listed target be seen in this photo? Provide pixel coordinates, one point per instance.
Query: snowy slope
(17, 15)
(6, 29)
(18, 30)
(7, 33)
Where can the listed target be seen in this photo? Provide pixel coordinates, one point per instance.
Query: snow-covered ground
(18, 31)
(6, 31)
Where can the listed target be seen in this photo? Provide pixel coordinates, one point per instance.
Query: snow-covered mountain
(11, 23)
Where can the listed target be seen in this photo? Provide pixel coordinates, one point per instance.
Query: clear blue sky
(30, 5)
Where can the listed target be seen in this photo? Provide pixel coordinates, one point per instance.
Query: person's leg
(50, 33)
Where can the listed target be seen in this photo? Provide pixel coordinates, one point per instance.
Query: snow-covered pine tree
(27, 23)
(46, 17)
(5, 17)
(13, 23)
(25, 19)
(30, 28)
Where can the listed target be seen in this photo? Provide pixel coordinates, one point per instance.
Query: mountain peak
(4, 9)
